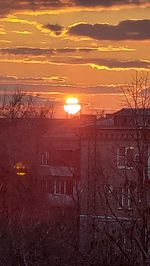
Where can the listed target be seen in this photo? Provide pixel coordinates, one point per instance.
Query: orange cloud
(95, 63)
(49, 6)
(125, 30)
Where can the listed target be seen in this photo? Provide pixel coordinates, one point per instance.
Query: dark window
(119, 197)
(125, 157)
(69, 187)
(123, 197)
(57, 183)
(121, 156)
(62, 187)
(45, 157)
(58, 186)
(50, 186)
(129, 157)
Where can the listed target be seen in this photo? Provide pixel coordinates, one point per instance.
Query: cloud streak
(33, 51)
(53, 79)
(54, 88)
(111, 64)
(49, 56)
(95, 63)
(108, 3)
(125, 30)
(12, 6)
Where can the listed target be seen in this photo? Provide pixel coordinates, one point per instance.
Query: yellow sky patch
(22, 32)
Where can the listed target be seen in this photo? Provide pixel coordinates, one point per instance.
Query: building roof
(130, 111)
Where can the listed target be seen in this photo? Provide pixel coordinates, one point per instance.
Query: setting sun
(72, 106)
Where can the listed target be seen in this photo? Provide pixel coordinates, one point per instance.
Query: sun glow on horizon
(72, 106)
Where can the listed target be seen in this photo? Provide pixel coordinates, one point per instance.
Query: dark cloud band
(8, 6)
(28, 54)
(125, 30)
(31, 51)
(108, 3)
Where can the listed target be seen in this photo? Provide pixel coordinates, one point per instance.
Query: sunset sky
(85, 48)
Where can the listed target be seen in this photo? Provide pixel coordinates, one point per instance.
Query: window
(129, 157)
(123, 197)
(148, 163)
(127, 198)
(125, 157)
(121, 157)
(69, 187)
(137, 158)
(58, 186)
(45, 158)
(108, 189)
(119, 197)
(63, 187)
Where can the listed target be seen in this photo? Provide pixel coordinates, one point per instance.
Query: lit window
(20, 168)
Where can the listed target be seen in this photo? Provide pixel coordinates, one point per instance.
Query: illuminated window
(125, 157)
(20, 168)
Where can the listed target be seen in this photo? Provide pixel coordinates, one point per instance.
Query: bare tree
(32, 232)
(134, 229)
(118, 196)
(22, 105)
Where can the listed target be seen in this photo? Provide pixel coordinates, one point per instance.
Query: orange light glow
(20, 169)
(72, 106)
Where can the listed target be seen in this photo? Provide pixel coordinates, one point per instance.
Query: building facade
(115, 188)
(98, 170)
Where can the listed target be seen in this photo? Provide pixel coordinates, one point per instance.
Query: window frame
(120, 197)
(119, 155)
(123, 197)
(61, 187)
(45, 156)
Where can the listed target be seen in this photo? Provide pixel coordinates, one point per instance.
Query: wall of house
(106, 185)
(23, 143)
